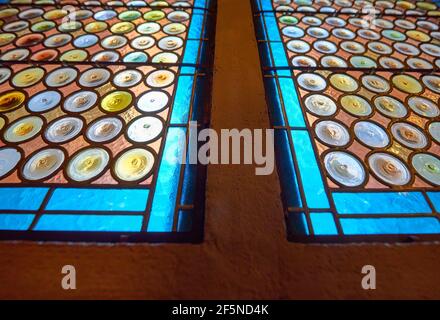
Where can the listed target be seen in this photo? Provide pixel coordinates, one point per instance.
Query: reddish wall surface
(245, 254)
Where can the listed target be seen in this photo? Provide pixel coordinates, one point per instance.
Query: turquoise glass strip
(164, 201)
(22, 198)
(323, 224)
(98, 199)
(369, 226)
(102, 223)
(15, 221)
(381, 203)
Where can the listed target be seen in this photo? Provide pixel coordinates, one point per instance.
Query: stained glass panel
(95, 103)
(353, 89)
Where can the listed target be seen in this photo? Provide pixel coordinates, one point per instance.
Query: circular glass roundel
(288, 20)
(94, 77)
(134, 165)
(375, 83)
(15, 55)
(23, 129)
(362, 62)
(87, 164)
(148, 28)
(407, 84)
(160, 79)
(332, 133)
(424, 107)
(170, 43)
(61, 77)
(343, 82)
(44, 101)
(136, 57)
(324, 46)
(143, 42)
(390, 107)
(127, 78)
(379, 47)
(389, 169)
(64, 129)
(116, 101)
(11, 100)
(371, 134)
(335, 21)
(85, 41)
(114, 42)
(57, 40)
(356, 105)
(105, 15)
(303, 61)
(174, 29)
(409, 135)
(165, 57)
(431, 49)
(312, 82)
(320, 105)
(333, 62)
(432, 82)
(434, 130)
(368, 34)
(344, 168)
(417, 63)
(104, 129)
(178, 16)
(80, 101)
(153, 101)
(293, 32)
(343, 33)
(428, 167)
(390, 63)
(106, 56)
(43, 164)
(122, 27)
(352, 47)
(317, 32)
(406, 49)
(144, 129)
(74, 55)
(9, 158)
(298, 46)
(5, 73)
(27, 77)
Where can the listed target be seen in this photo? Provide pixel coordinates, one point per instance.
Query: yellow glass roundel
(407, 84)
(55, 14)
(343, 82)
(134, 164)
(11, 100)
(154, 15)
(116, 101)
(122, 27)
(356, 105)
(24, 129)
(418, 35)
(6, 38)
(28, 77)
(5, 13)
(95, 27)
(426, 5)
(2, 123)
(74, 55)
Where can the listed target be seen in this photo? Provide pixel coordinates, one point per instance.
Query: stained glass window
(353, 92)
(95, 103)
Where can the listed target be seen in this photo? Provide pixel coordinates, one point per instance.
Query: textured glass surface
(357, 88)
(95, 99)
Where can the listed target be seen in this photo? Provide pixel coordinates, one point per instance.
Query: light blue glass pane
(162, 211)
(15, 221)
(191, 52)
(266, 4)
(390, 202)
(201, 3)
(390, 226)
(279, 57)
(291, 103)
(195, 29)
(310, 174)
(98, 199)
(323, 224)
(272, 27)
(67, 222)
(22, 198)
(182, 100)
(435, 199)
